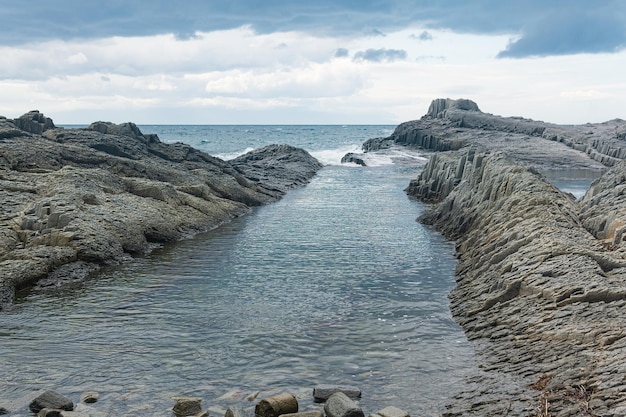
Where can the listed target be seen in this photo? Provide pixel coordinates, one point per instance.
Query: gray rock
(90, 397)
(353, 158)
(339, 405)
(49, 412)
(277, 405)
(237, 411)
(323, 391)
(110, 192)
(187, 406)
(51, 399)
(34, 122)
(314, 413)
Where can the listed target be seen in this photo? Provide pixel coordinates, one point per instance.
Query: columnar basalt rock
(72, 199)
(542, 298)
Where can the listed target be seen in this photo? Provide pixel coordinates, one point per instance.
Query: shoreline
(76, 199)
(541, 277)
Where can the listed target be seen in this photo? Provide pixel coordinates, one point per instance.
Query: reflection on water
(573, 181)
(335, 284)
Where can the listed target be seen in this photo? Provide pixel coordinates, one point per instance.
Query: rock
(315, 413)
(187, 406)
(322, 392)
(34, 122)
(111, 192)
(3, 411)
(89, 397)
(252, 396)
(236, 411)
(277, 405)
(339, 405)
(49, 412)
(51, 399)
(391, 412)
(353, 158)
(438, 107)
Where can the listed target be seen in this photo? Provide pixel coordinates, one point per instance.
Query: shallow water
(334, 284)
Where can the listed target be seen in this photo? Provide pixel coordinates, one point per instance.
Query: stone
(392, 411)
(3, 411)
(49, 412)
(339, 405)
(236, 411)
(187, 406)
(322, 392)
(110, 192)
(51, 399)
(89, 397)
(277, 405)
(313, 413)
(351, 157)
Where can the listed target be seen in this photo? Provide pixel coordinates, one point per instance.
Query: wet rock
(110, 192)
(314, 413)
(51, 399)
(49, 412)
(339, 405)
(322, 392)
(277, 405)
(89, 397)
(237, 411)
(187, 406)
(3, 411)
(391, 411)
(351, 157)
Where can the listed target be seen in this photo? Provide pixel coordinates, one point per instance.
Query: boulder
(353, 158)
(187, 406)
(391, 411)
(34, 122)
(322, 392)
(277, 405)
(339, 405)
(89, 397)
(313, 413)
(51, 399)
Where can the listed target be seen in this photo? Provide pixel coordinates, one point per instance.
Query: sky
(310, 62)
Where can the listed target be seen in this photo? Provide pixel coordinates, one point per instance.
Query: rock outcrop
(74, 199)
(541, 278)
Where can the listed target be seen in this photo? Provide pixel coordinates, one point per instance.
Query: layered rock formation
(74, 199)
(541, 278)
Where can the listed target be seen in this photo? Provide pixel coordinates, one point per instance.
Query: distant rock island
(541, 277)
(72, 200)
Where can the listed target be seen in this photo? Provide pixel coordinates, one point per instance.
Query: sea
(337, 283)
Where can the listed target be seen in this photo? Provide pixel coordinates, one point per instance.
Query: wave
(227, 156)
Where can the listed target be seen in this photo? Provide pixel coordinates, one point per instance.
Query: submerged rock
(52, 400)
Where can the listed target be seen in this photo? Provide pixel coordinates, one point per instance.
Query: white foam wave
(232, 155)
(333, 156)
(394, 155)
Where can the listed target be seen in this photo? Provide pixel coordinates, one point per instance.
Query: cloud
(569, 32)
(424, 36)
(45, 20)
(380, 55)
(341, 53)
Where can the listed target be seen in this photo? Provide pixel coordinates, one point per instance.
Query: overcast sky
(310, 62)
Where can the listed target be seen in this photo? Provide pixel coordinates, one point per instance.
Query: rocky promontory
(541, 277)
(72, 200)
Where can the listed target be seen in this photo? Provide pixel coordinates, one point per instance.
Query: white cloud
(292, 77)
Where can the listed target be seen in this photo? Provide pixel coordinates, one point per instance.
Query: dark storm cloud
(39, 20)
(569, 32)
(380, 55)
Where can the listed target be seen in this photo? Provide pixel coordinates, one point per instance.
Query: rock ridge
(541, 278)
(74, 199)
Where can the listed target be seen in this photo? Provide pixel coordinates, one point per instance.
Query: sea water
(334, 284)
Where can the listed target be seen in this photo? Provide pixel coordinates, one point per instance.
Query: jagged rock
(438, 107)
(187, 406)
(339, 405)
(322, 392)
(104, 196)
(277, 405)
(535, 289)
(34, 122)
(51, 399)
(353, 158)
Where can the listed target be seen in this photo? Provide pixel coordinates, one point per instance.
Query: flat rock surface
(72, 200)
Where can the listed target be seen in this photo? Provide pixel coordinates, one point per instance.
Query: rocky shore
(541, 277)
(72, 200)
